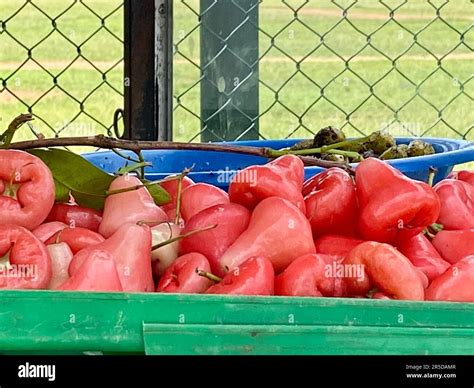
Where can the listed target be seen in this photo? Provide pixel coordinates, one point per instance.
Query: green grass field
(294, 40)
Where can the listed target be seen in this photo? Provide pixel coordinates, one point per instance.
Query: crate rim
(329, 301)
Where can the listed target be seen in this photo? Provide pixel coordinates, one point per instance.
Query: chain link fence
(249, 68)
(63, 62)
(405, 66)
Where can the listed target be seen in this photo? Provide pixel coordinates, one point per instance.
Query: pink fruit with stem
(277, 230)
(128, 206)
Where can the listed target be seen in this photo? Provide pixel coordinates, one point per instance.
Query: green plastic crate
(49, 322)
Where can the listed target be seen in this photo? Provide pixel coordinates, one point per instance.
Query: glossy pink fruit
(231, 220)
(130, 246)
(200, 196)
(277, 230)
(45, 231)
(181, 276)
(98, 272)
(61, 256)
(255, 276)
(131, 206)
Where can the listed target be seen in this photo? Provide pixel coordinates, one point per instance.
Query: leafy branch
(101, 141)
(114, 144)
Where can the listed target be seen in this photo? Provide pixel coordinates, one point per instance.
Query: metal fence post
(140, 101)
(229, 86)
(164, 67)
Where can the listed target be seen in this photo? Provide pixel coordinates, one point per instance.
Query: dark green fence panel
(229, 64)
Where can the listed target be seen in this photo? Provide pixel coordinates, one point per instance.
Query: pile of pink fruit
(377, 234)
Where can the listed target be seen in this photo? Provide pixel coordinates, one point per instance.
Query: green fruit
(395, 152)
(379, 142)
(420, 148)
(327, 136)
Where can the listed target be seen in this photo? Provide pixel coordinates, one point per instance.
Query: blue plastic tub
(218, 168)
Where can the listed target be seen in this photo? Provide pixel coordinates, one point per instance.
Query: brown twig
(20, 120)
(7, 136)
(101, 141)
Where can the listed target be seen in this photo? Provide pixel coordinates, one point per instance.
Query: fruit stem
(57, 240)
(178, 201)
(127, 189)
(350, 154)
(436, 227)
(180, 237)
(149, 184)
(123, 156)
(7, 136)
(428, 234)
(151, 223)
(431, 175)
(185, 172)
(330, 149)
(141, 158)
(345, 143)
(208, 275)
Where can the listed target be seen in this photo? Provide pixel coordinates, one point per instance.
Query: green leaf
(87, 183)
(73, 173)
(159, 194)
(132, 167)
(62, 192)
